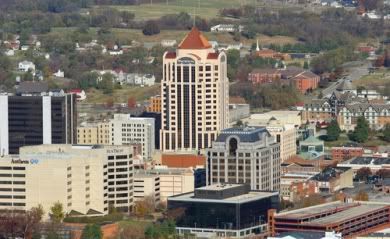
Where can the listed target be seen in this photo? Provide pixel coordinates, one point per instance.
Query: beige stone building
(122, 129)
(86, 180)
(245, 155)
(194, 95)
(146, 185)
(87, 135)
(286, 135)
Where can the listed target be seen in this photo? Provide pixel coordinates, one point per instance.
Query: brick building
(154, 104)
(183, 160)
(344, 153)
(264, 76)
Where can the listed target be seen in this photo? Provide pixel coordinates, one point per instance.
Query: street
(354, 70)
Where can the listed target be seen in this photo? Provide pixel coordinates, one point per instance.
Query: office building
(36, 116)
(146, 185)
(194, 95)
(130, 130)
(351, 219)
(245, 155)
(87, 135)
(121, 130)
(223, 210)
(86, 180)
(154, 104)
(286, 136)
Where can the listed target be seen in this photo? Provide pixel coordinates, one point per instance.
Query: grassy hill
(208, 9)
(126, 35)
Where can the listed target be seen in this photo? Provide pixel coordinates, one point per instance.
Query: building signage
(185, 61)
(114, 151)
(21, 161)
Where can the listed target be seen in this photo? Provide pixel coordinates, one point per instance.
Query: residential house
(26, 66)
(168, 43)
(59, 74)
(80, 94)
(227, 28)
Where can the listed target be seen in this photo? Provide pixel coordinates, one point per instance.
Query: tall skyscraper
(194, 95)
(36, 116)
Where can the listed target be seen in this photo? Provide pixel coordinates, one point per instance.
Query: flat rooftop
(219, 187)
(251, 196)
(369, 160)
(341, 211)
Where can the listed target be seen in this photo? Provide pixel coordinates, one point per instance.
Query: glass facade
(223, 215)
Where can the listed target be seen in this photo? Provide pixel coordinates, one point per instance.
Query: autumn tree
(361, 196)
(20, 224)
(110, 103)
(363, 173)
(131, 102)
(131, 232)
(145, 207)
(383, 173)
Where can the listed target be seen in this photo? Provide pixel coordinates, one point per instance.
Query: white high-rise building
(127, 130)
(195, 95)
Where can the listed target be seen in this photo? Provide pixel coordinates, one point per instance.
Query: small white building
(168, 43)
(9, 52)
(24, 47)
(59, 73)
(26, 66)
(227, 28)
(141, 79)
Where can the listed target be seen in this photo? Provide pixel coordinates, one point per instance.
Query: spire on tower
(257, 45)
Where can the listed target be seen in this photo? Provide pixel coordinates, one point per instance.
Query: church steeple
(257, 45)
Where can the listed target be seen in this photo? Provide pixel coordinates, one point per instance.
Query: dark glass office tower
(33, 119)
(226, 210)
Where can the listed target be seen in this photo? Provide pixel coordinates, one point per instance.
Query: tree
(131, 232)
(360, 134)
(151, 28)
(361, 196)
(131, 102)
(106, 84)
(92, 231)
(383, 173)
(306, 65)
(333, 131)
(386, 133)
(21, 224)
(145, 207)
(57, 213)
(363, 173)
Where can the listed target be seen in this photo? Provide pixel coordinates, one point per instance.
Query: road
(354, 70)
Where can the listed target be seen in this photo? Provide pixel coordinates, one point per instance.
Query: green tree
(360, 134)
(151, 28)
(333, 131)
(106, 84)
(386, 133)
(92, 231)
(306, 65)
(57, 212)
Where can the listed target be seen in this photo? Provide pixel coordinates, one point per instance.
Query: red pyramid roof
(194, 40)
